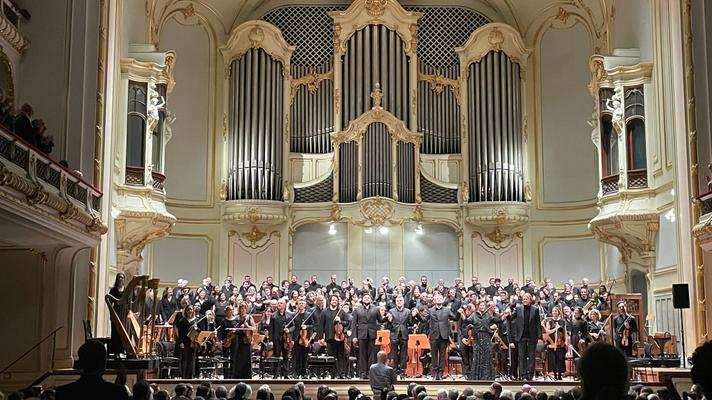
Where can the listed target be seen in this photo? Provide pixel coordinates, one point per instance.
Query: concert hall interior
(350, 147)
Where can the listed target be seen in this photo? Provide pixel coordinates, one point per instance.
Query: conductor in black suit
(365, 324)
(525, 332)
(440, 318)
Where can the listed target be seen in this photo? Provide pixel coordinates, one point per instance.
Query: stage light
(419, 229)
(383, 230)
(368, 230)
(672, 192)
(332, 229)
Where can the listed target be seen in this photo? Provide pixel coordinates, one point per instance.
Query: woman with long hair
(116, 291)
(187, 348)
(241, 357)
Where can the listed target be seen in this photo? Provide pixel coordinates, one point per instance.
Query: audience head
(604, 372)
(702, 368)
(162, 395)
(221, 392)
(142, 391)
(92, 357)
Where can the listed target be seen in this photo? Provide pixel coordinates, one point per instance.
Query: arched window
(636, 144)
(136, 125)
(609, 147)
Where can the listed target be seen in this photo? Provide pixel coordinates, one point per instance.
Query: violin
(469, 340)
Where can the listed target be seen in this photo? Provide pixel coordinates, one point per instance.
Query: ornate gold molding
(311, 81)
(357, 128)
(12, 35)
(439, 82)
(493, 37)
(257, 34)
(388, 13)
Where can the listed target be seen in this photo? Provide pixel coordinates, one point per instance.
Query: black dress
(482, 360)
(115, 346)
(241, 357)
(557, 354)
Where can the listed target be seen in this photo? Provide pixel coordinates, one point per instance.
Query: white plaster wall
(568, 156)
(632, 27)
(21, 282)
(571, 259)
(614, 267)
(181, 257)
(702, 38)
(376, 255)
(315, 251)
(57, 75)
(187, 154)
(666, 241)
(433, 254)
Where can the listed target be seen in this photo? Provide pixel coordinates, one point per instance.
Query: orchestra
(495, 330)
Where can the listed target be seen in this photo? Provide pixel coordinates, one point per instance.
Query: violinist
(596, 333)
(228, 335)
(399, 321)
(280, 334)
(187, 348)
(302, 336)
(333, 336)
(556, 338)
(579, 330)
(625, 327)
(208, 325)
(467, 338)
(241, 357)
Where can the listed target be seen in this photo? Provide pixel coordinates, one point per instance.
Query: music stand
(203, 337)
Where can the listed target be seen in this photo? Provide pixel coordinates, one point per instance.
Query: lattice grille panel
(432, 193)
(318, 193)
(441, 29)
(309, 28)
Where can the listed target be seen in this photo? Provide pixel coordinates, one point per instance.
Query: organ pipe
(494, 115)
(312, 110)
(438, 111)
(255, 127)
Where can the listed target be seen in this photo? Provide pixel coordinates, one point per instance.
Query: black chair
(88, 335)
(168, 361)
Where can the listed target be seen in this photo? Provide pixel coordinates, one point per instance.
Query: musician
(241, 356)
(294, 285)
(187, 347)
(491, 290)
(204, 301)
(209, 324)
(278, 331)
(466, 339)
(301, 338)
(510, 286)
(313, 284)
(167, 306)
(220, 307)
(365, 322)
(331, 317)
(625, 327)
(421, 323)
(115, 346)
(583, 298)
(423, 283)
(579, 331)
(484, 324)
(555, 302)
(227, 286)
(596, 332)
(526, 332)
(439, 318)
(399, 322)
(556, 347)
(332, 285)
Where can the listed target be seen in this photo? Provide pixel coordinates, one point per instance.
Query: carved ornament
(376, 8)
(439, 82)
(311, 81)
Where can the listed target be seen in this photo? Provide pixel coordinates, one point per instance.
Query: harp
(125, 313)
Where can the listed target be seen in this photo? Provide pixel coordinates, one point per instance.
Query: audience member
(381, 377)
(604, 373)
(702, 368)
(142, 391)
(92, 361)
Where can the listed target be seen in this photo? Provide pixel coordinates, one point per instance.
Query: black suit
(91, 387)
(525, 333)
(439, 336)
(276, 328)
(335, 348)
(400, 328)
(364, 326)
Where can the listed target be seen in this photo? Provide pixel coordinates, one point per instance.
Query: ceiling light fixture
(332, 229)
(419, 229)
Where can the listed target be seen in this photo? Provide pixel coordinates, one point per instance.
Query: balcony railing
(44, 182)
(705, 200)
(638, 179)
(609, 184)
(158, 180)
(134, 176)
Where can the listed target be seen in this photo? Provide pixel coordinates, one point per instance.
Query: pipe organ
(318, 80)
(255, 140)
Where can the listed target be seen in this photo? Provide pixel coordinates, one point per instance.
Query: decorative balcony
(638, 179)
(34, 181)
(609, 184)
(703, 229)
